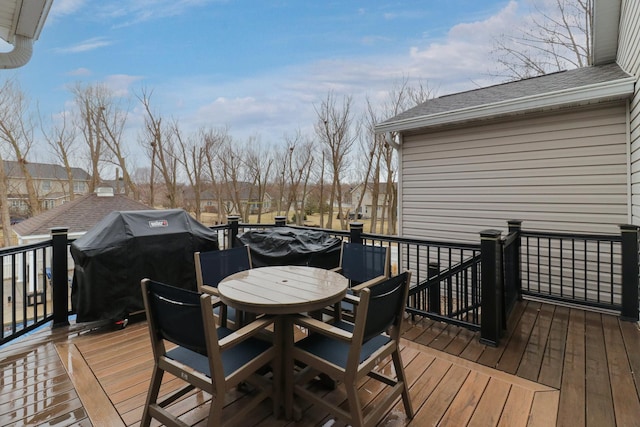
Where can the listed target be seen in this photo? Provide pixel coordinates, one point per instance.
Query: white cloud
(128, 12)
(61, 8)
(80, 72)
(86, 45)
(120, 84)
(465, 53)
(283, 100)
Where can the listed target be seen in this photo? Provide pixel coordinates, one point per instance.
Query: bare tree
(334, 130)
(193, 162)
(61, 138)
(86, 119)
(233, 178)
(380, 172)
(16, 130)
(110, 118)
(557, 38)
(5, 217)
(160, 145)
(296, 166)
(214, 140)
(259, 162)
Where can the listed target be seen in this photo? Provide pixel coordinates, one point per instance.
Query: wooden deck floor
(555, 366)
(592, 358)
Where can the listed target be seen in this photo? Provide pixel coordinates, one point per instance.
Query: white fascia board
(618, 89)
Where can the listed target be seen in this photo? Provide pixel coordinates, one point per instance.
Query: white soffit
(23, 18)
(605, 29)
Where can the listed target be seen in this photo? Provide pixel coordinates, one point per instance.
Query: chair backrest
(364, 262)
(387, 301)
(175, 314)
(213, 266)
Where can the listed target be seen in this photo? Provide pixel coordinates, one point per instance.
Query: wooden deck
(555, 366)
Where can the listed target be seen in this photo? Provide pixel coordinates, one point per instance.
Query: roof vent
(104, 192)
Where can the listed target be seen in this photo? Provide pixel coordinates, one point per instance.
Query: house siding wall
(562, 171)
(629, 60)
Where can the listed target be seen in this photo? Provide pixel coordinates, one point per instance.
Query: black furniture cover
(123, 248)
(291, 246)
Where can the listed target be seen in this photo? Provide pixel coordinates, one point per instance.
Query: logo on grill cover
(158, 223)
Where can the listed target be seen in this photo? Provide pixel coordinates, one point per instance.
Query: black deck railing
(470, 285)
(26, 292)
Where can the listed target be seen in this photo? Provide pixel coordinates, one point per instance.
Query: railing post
(515, 226)
(491, 270)
(630, 272)
(233, 221)
(355, 229)
(59, 276)
(281, 221)
(433, 293)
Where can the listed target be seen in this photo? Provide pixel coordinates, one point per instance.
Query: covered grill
(118, 252)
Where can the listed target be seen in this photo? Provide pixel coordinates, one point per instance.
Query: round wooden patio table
(283, 291)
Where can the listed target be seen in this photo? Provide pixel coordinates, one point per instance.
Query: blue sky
(259, 66)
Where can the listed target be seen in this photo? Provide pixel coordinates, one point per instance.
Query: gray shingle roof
(79, 215)
(548, 83)
(44, 171)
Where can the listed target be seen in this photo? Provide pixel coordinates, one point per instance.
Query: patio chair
(211, 359)
(364, 266)
(347, 352)
(213, 266)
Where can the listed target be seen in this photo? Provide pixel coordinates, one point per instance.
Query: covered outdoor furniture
(213, 266)
(211, 359)
(127, 246)
(291, 246)
(347, 352)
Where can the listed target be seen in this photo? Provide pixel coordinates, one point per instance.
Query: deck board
(627, 412)
(553, 357)
(572, 398)
(534, 350)
(599, 401)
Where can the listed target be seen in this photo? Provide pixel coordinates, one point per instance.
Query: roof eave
(612, 90)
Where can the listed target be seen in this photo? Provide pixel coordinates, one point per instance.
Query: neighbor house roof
(78, 215)
(44, 171)
(566, 88)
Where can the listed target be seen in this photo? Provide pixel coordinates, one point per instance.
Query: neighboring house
(78, 215)
(560, 152)
(247, 194)
(366, 208)
(51, 184)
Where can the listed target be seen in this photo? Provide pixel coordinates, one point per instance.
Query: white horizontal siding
(629, 59)
(565, 171)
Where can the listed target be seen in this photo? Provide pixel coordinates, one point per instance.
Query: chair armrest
(321, 327)
(351, 299)
(211, 290)
(216, 302)
(368, 283)
(245, 332)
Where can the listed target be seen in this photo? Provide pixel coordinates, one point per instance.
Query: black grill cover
(125, 247)
(291, 246)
